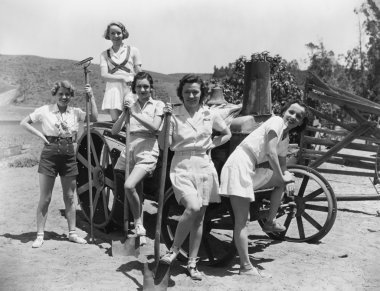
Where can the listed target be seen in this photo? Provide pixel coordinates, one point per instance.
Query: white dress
(116, 91)
(240, 175)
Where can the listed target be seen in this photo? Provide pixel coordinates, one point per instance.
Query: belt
(264, 165)
(190, 153)
(56, 139)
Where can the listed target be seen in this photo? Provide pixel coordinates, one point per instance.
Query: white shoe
(38, 242)
(142, 240)
(140, 230)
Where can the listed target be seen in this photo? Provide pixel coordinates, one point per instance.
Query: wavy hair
(189, 79)
(124, 31)
(141, 76)
(306, 118)
(62, 84)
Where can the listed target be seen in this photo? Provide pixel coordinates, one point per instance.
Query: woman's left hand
(88, 90)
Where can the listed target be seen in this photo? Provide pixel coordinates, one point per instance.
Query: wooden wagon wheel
(103, 184)
(312, 213)
(217, 247)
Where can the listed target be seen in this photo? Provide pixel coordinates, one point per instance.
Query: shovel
(86, 63)
(158, 278)
(129, 245)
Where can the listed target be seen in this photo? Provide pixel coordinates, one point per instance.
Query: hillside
(35, 76)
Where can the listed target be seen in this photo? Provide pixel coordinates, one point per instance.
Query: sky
(177, 36)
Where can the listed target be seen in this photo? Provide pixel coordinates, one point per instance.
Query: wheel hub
(98, 177)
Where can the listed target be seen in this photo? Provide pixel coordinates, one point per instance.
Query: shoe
(142, 240)
(253, 272)
(140, 230)
(273, 227)
(169, 257)
(38, 242)
(77, 239)
(194, 273)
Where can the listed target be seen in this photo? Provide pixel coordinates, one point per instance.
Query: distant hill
(35, 76)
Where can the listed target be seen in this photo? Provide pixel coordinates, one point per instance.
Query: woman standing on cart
(146, 117)
(60, 124)
(192, 173)
(260, 162)
(118, 65)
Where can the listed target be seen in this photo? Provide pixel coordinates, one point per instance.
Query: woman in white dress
(118, 65)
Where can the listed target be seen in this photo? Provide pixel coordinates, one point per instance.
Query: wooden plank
(343, 143)
(331, 119)
(343, 162)
(326, 142)
(344, 156)
(347, 173)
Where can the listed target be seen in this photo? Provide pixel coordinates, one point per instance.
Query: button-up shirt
(194, 133)
(55, 123)
(150, 110)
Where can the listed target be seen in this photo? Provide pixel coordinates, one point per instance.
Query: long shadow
(357, 211)
(31, 236)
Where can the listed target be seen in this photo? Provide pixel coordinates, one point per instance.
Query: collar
(181, 110)
(123, 47)
(55, 109)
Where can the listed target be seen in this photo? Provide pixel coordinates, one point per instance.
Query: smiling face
(143, 89)
(64, 97)
(191, 94)
(294, 116)
(115, 33)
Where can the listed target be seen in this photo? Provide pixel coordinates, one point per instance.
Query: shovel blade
(156, 281)
(130, 247)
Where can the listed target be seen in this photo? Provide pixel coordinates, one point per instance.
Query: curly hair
(62, 84)
(189, 79)
(306, 118)
(141, 76)
(125, 32)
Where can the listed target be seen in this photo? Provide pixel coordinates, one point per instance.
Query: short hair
(306, 118)
(140, 76)
(62, 84)
(189, 79)
(118, 24)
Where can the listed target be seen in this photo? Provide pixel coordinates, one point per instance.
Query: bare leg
(68, 187)
(133, 197)
(240, 207)
(46, 189)
(196, 233)
(115, 113)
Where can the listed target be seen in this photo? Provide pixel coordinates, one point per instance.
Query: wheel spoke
(94, 154)
(98, 191)
(305, 180)
(109, 183)
(83, 188)
(301, 230)
(82, 159)
(287, 222)
(317, 207)
(312, 221)
(314, 194)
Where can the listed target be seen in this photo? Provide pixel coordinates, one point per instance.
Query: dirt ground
(345, 259)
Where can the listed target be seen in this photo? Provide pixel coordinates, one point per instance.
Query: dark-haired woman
(118, 66)
(192, 173)
(146, 116)
(260, 162)
(60, 124)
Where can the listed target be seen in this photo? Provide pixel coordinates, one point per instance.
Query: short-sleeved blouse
(194, 133)
(256, 142)
(59, 124)
(119, 57)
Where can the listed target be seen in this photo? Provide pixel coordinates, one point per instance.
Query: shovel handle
(161, 192)
(127, 154)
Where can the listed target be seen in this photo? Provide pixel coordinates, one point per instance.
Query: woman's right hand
(43, 137)
(168, 108)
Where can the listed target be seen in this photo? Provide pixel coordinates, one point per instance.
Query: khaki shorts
(143, 153)
(194, 174)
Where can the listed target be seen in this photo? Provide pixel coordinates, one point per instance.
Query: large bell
(217, 97)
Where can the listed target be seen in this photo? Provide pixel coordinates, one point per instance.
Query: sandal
(169, 257)
(140, 230)
(194, 273)
(77, 239)
(273, 227)
(39, 241)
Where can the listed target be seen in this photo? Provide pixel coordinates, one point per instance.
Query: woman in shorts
(146, 116)
(60, 124)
